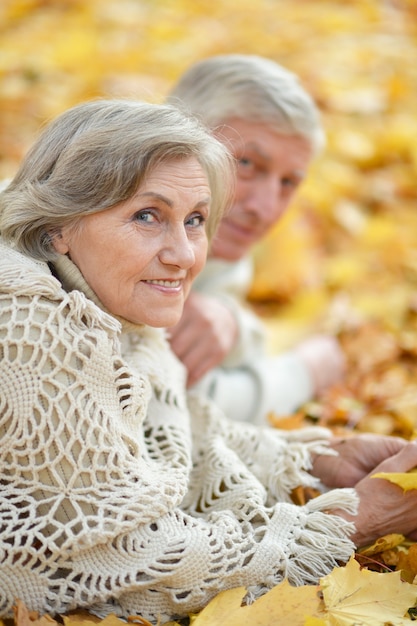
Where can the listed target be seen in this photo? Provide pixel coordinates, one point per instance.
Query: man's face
(270, 168)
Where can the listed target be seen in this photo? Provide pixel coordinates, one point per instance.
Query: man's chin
(231, 255)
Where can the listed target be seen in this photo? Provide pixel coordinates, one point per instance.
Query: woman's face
(141, 256)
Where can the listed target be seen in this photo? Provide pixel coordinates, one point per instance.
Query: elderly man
(260, 111)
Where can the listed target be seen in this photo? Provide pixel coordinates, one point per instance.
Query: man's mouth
(246, 232)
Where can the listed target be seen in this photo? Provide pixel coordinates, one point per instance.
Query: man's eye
(245, 162)
(245, 167)
(290, 182)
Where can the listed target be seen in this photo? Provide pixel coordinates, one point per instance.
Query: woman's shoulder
(21, 274)
(29, 285)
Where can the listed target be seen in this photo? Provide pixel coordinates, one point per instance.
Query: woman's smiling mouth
(164, 283)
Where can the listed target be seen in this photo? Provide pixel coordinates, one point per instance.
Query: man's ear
(59, 241)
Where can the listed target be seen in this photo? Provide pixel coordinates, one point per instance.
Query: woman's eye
(196, 220)
(144, 216)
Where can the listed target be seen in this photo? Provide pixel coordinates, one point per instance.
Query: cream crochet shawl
(120, 493)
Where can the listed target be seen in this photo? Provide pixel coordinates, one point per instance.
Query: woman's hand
(358, 455)
(384, 507)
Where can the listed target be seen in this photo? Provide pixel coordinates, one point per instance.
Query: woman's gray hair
(251, 88)
(96, 155)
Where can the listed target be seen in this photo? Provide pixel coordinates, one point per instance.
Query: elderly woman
(112, 498)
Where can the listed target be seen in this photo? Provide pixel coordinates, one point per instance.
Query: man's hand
(384, 507)
(358, 455)
(204, 336)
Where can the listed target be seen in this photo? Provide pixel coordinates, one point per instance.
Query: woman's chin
(158, 322)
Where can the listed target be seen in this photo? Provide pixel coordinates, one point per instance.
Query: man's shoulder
(225, 276)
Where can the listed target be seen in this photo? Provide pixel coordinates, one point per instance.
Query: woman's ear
(59, 242)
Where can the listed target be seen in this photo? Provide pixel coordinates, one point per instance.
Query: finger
(402, 461)
(200, 367)
(184, 341)
(393, 445)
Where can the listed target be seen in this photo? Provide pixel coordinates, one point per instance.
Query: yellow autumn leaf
(83, 618)
(387, 542)
(365, 598)
(405, 480)
(225, 604)
(24, 617)
(282, 605)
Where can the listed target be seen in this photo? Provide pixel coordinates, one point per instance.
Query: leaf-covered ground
(345, 257)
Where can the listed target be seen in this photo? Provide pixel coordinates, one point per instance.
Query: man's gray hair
(251, 88)
(96, 155)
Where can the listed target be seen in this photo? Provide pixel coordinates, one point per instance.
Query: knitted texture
(251, 382)
(111, 496)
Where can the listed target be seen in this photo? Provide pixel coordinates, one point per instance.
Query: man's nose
(265, 200)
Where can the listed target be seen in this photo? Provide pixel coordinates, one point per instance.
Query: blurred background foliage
(344, 258)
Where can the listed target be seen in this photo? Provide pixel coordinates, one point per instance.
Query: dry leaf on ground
(364, 598)
(282, 605)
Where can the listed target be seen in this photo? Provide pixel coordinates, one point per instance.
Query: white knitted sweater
(111, 497)
(251, 382)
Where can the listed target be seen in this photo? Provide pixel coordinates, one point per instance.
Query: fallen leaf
(355, 596)
(282, 605)
(80, 617)
(24, 617)
(383, 543)
(86, 619)
(405, 480)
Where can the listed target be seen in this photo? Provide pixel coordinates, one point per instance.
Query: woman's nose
(177, 250)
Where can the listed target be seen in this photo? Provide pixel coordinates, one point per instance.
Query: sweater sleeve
(228, 282)
(268, 384)
(250, 383)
